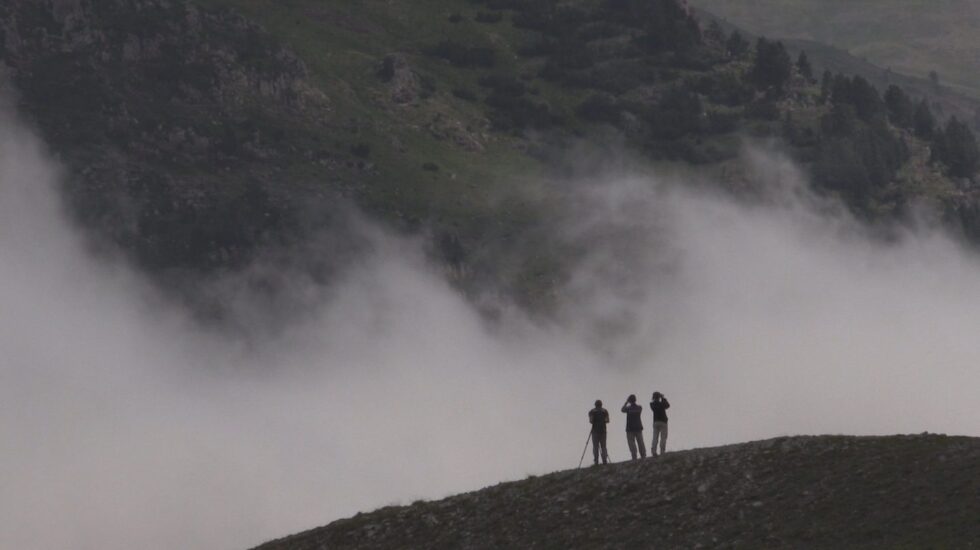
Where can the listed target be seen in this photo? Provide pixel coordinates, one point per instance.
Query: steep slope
(791, 492)
(194, 139)
(169, 120)
(200, 134)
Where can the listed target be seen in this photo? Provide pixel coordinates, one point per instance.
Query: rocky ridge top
(918, 491)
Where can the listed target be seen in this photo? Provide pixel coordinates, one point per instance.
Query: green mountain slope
(913, 37)
(795, 492)
(199, 135)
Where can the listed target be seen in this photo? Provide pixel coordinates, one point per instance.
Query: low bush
(465, 94)
(488, 17)
(462, 55)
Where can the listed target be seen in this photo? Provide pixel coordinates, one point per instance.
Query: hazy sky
(123, 424)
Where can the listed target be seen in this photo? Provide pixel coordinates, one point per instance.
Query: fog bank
(125, 424)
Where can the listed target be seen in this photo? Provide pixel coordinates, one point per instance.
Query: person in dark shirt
(599, 417)
(659, 405)
(634, 427)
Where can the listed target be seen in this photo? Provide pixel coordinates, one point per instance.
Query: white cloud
(124, 424)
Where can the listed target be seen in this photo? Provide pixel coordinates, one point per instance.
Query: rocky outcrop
(789, 492)
(404, 84)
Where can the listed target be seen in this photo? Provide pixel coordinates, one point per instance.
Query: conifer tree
(803, 65)
(900, 108)
(922, 120)
(715, 33)
(736, 45)
(826, 86)
(956, 147)
(865, 99)
(773, 66)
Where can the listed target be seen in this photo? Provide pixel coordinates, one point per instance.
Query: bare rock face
(445, 128)
(404, 83)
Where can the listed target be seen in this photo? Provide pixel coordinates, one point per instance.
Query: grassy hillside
(792, 492)
(199, 134)
(436, 162)
(345, 44)
(912, 37)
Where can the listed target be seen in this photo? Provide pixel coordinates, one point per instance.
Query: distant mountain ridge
(945, 100)
(915, 491)
(914, 38)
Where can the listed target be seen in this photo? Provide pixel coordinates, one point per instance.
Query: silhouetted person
(659, 405)
(634, 427)
(599, 417)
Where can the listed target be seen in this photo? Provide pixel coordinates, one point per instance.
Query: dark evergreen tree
(715, 33)
(859, 165)
(841, 121)
(867, 103)
(939, 147)
(736, 45)
(956, 148)
(840, 168)
(600, 108)
(860, 94)
(858, 153)
(803, 65)
(901, 111)
(923, 122)
(881, 152)
(790, 130)
(826, 86)
(840, 89)
(728, 89)
(678, 114)
(773, 65)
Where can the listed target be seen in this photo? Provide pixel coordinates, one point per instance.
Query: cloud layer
(125, 424)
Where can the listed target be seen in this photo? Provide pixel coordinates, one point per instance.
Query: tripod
(607, 458)
(587, 438)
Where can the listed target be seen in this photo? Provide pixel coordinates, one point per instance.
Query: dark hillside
(199, 134)
(171, 122)
(791, 492)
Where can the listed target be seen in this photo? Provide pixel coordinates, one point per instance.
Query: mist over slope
(125, 423)
(201, 136)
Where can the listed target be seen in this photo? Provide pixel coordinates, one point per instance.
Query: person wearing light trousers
(659, 406)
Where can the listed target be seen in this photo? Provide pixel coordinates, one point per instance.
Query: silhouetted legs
(599, 441)
(635, 442)
(659, 434)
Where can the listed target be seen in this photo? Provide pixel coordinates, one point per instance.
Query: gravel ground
(920, 491)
